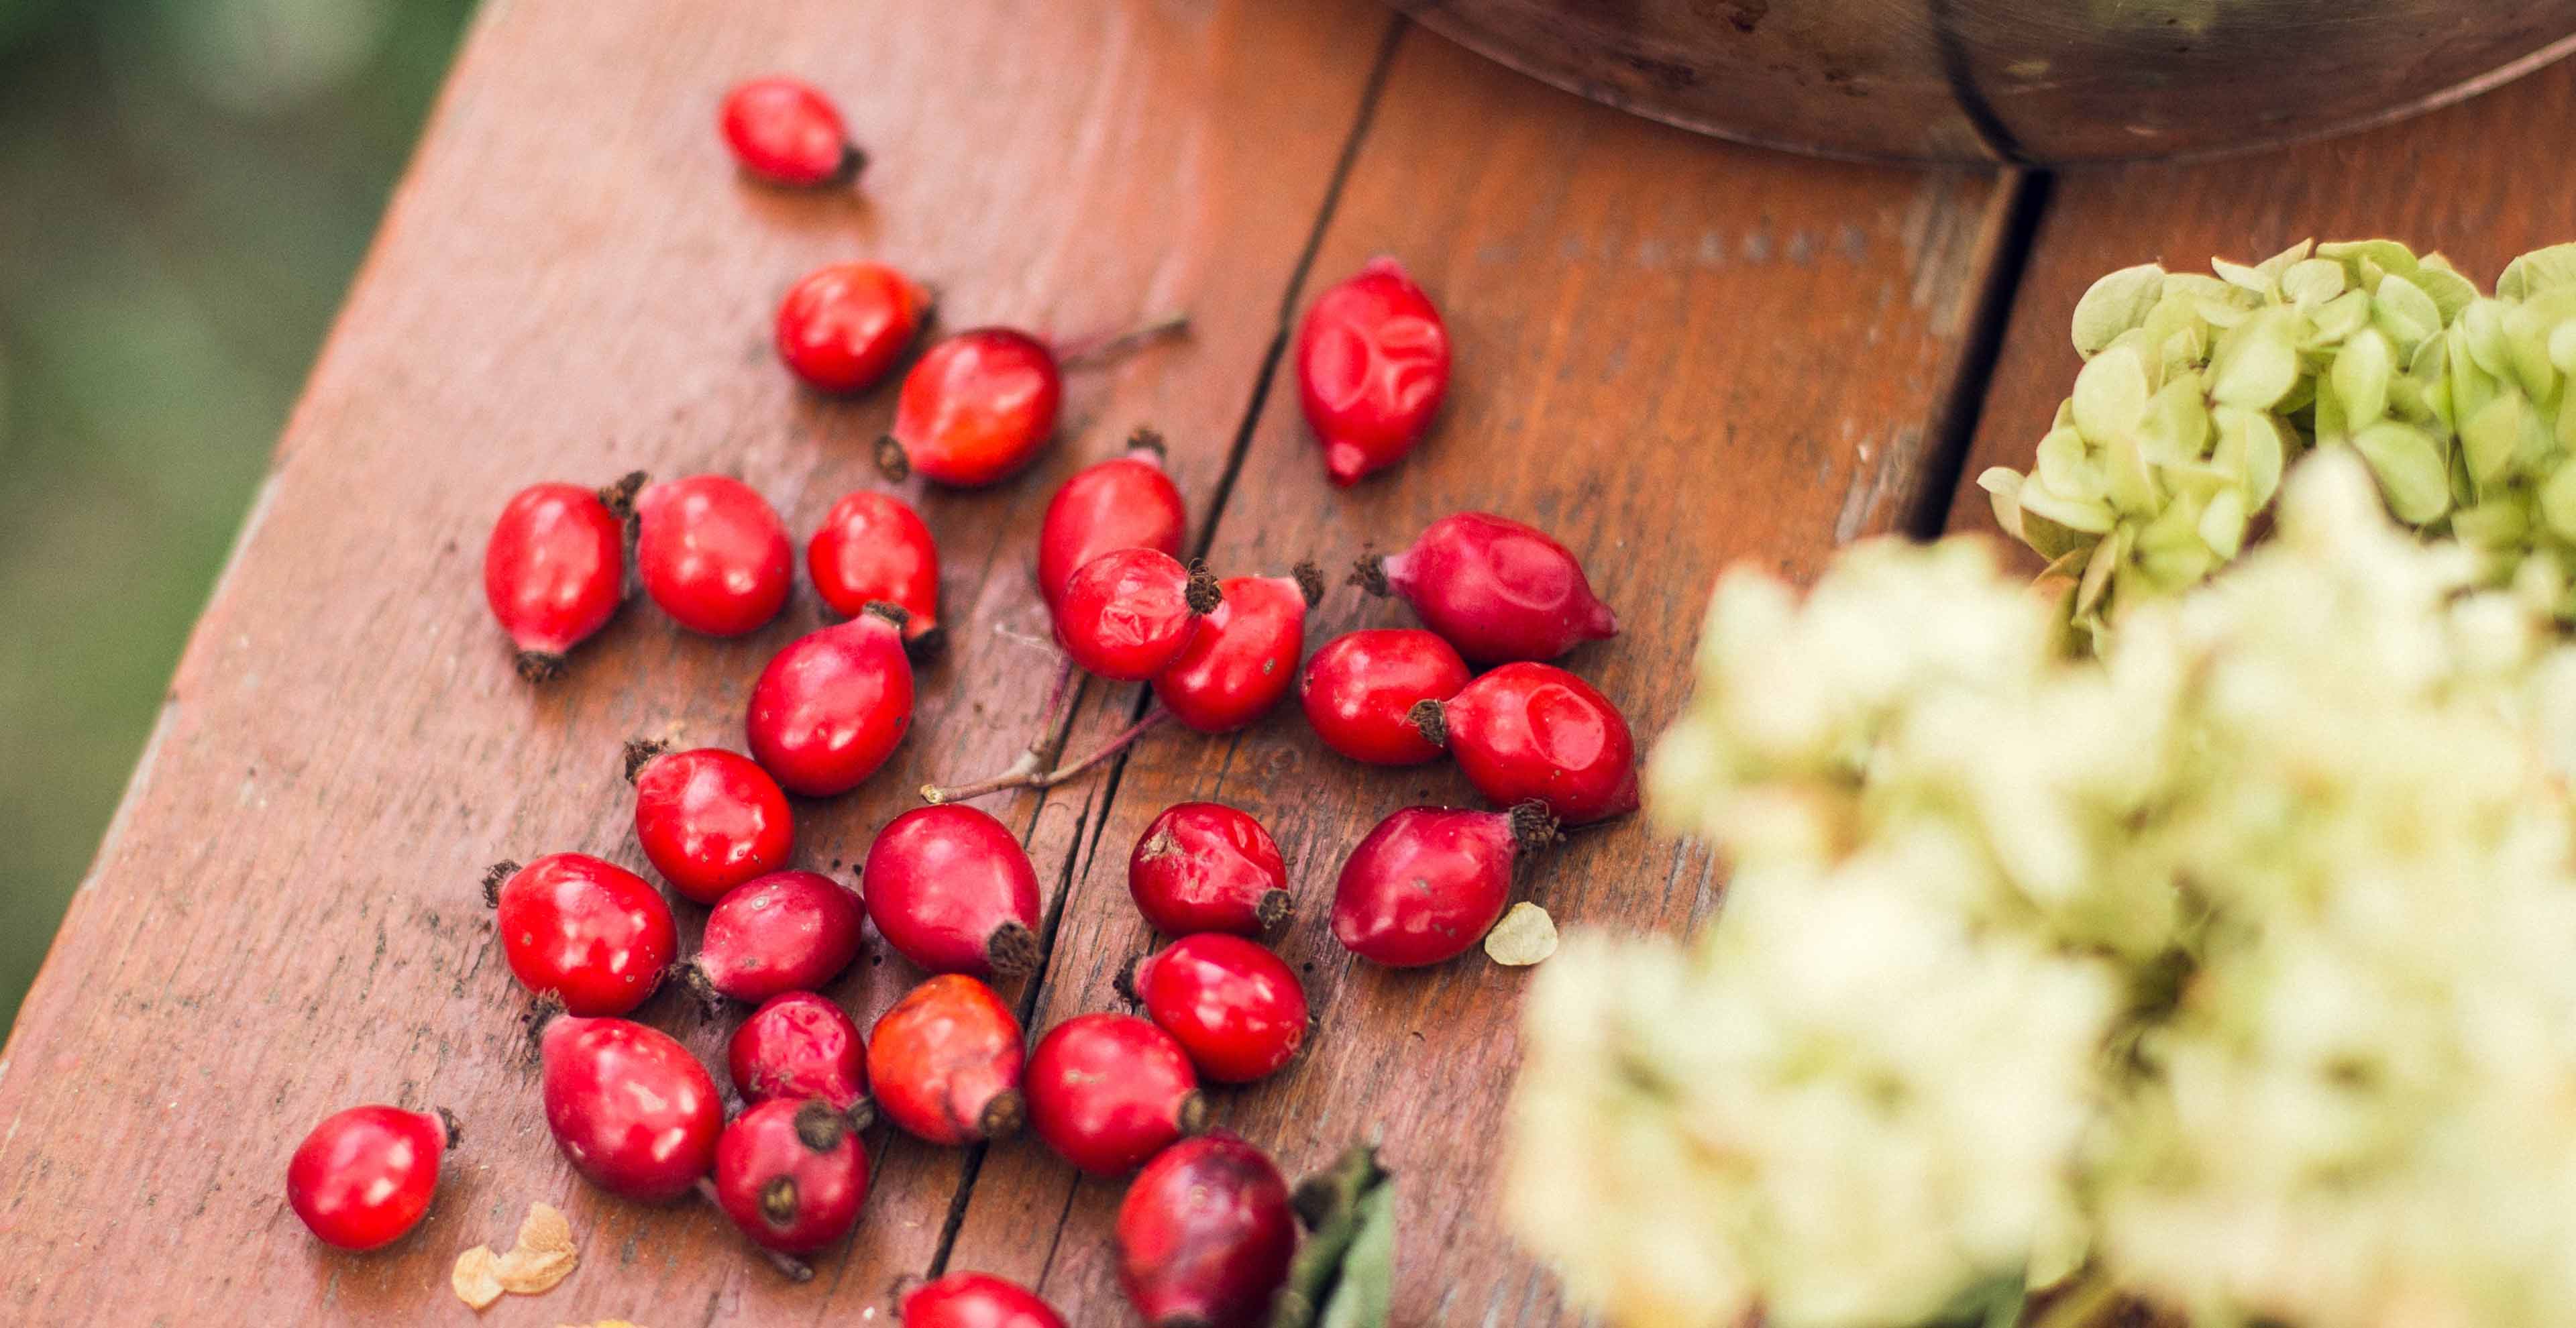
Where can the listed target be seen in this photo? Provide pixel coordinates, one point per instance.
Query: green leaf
(2312, 281)
(2115, 304)
(2489, 439)
(2251, 441)
(2256, 363)
(2451, 292)
(2065, 465)
(2558, 502)
(2110, 394)
(2537, 271)
(1366, 1290)
(2273, 267)
(2481, 328)
(2401, 309)
(2386, 255)
(2241, 276)
(2562, 347)
(2360, 375)
(2411, 474)
(2338, 318)
(2176, 428)
(1345, 1206)
(2222, 523)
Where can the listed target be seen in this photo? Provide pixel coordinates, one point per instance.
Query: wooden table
(1674, 353)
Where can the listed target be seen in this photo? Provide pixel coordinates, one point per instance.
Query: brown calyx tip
(620, 497)
(820, 1127)
(1430, 720)
(1310, 581)
(926, 645)
(892, 461)
(493, 876)
(1125, 982)
(861, 1115)
(447, 1121)
(1149, 440)
(1003, 1115)
(539, 665)
(549, 1007)
(1193, 1114)
(1369, 574)
(1274, 908)
(640, 753)
(692, 975)
(1012, 949)
(1533, 827)
(1182, 1319)
(1204, 594)
(778, 1202)
(854, 159)
(888, 610)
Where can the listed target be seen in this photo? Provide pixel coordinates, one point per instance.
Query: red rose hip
(784, 131)
(1204, 866)
(833, 705)
(1243, 657)
(629, 1106)
(593, 933)
(791, 1175)
(975, 1300)
(842, 327)
(1360, 689)
(1429, 882)
(1126, 502)
(1495, 588)
(1372, 367)
(364, 1177)
(799, 1045)
(1204, 1235)
(874, 548)
(975, 409)
(1127, 614)
(708, 819)
(787, 931)
(1536, 732)
(945, 1062)
(951, 890)
(554, 569)
(1236, 1008)
(713, 554)
(1108, 1091)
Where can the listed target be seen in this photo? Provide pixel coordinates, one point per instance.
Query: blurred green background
(185, 188)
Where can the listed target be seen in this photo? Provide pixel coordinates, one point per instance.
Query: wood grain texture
(2448, 181)
(1657, 340)
(283, 920)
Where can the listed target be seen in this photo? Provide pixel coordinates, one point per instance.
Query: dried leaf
(527, 1272)
(1525, 936)
(476, 1279)
(545, 1229)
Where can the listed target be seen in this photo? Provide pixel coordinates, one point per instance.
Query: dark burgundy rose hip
(1205, 1234)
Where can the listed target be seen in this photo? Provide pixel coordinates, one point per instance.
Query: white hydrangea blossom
(2237, 964)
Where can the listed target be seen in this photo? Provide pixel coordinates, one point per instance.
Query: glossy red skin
(1499, 590)
(832, 706)
(710, 819)
(1108, 1091)
(941, 1057)
(762, 1146)
(1360, 689)
(1372, 367)
(589, 931)
(787, 931)
(872, 547)
(942, 881)
(629, 1106)
(1125, 615)
(1204, 866)
(364, 1177)
(554, 570)
(843, 326)
(1242, 659)
(799, 1046)
(784, 131)
(1126, 502)
(1535, 731)
(976, 1300)
(1424, 885)
(1205, 1234)
(977, 406)
(713, 554)
(1235, 1007)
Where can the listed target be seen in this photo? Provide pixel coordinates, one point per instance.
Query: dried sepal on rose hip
(554, 568)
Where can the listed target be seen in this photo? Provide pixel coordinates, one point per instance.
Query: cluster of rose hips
(1205, 1234)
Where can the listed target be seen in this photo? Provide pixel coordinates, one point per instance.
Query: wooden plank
(2446, 181)
(283, 920)
(1659, 341)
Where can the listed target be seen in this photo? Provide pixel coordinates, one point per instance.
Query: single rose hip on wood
(950, 888)
(787, 931)
(364, 1177)
(592, 933)
(784, 131)
(979, 405)
(1108, 1091)
(1237, 1008)
(1493, 587)
(1243, 658)
(554, 569)
(842, 327)
(975, 1300)
(631, 1109)
(1372, 368)
(945, 1063)
(1360, 689)
(833, 705)
(1126, 502)
(801, 1045)
(1428, 882)
(1204, 866)
(873, 548)
(713, 554)
(708, 819)
(1127, 614)
(792, 1175)
(1205, 1234)
(1529, 732)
